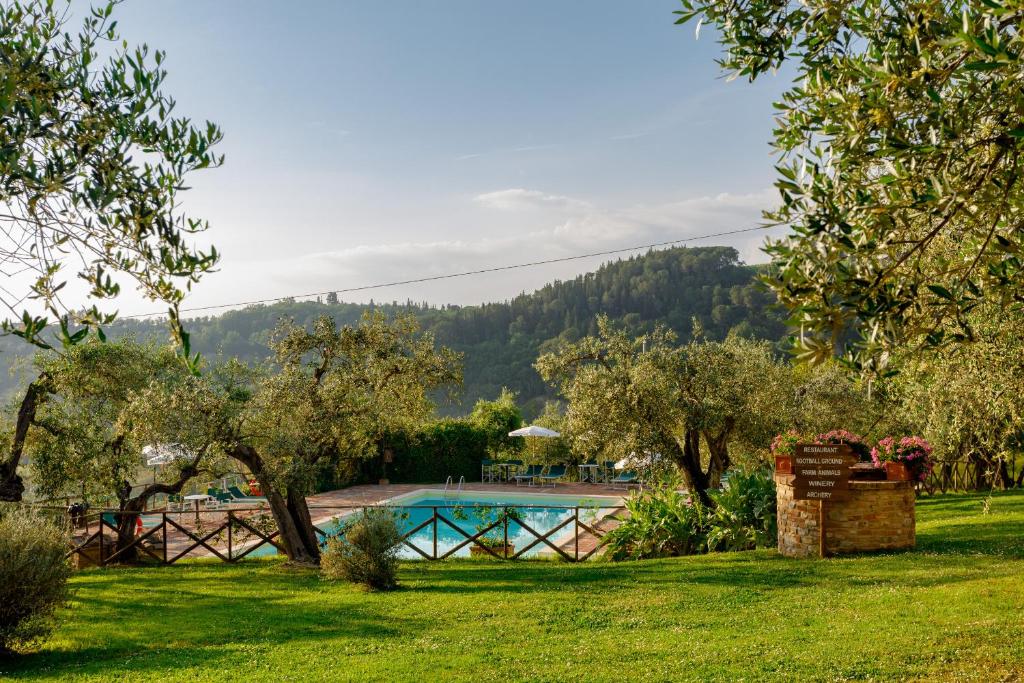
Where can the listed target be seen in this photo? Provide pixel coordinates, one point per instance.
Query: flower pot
(897, 471)
(783, 464)
(501, 551)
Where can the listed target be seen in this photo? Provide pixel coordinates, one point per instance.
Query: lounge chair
(553, 474)
(532, 472)
(625, 477)
(237, 494)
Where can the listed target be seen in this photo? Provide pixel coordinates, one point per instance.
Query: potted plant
(909, 459)
(495, 538)
(782, 448)
(843, 437)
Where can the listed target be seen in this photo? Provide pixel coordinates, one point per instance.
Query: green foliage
(365, 551)
(33, 577)
(662, 522)
(338, 392)
(92, 166)
(901, 143)
(744, 514)
(497, 418)
(106, 402)
(439, 449)
(652, 395)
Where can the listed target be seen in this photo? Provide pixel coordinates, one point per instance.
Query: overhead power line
(449, 276)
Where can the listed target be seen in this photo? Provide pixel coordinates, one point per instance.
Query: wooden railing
(232, 535)
(967, 474)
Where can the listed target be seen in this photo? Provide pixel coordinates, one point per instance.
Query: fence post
(505, 549)
(435, 532)
(101, 539)
(164, 521)
(231, 518)
(576, 534)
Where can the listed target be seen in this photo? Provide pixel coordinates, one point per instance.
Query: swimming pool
(472, 511)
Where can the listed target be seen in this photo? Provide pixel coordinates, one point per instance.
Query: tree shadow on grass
(192, 620)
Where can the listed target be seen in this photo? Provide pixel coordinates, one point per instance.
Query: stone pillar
(877, 515)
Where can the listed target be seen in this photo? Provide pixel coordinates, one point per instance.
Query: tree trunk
(687, 459)
(290, 511)
(132, 507)
(293, 521)
(12, 488)
(718, 455)
(1003, 478)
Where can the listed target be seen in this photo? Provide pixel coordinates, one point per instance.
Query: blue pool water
(472, 511)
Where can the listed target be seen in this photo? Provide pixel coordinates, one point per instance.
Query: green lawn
(954, 609)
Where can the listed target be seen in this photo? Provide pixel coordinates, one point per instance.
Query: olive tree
(651, 395)
(107, 403)
(92, 167)
(900, 142)
(335, 392)
(968, 401)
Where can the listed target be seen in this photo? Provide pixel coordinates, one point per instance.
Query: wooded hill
(500, 341)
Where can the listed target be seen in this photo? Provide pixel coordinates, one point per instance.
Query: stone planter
(784, 464)
(897, 471)
(876, 515)
(499, 550)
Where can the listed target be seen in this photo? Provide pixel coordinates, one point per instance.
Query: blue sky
(369, 141)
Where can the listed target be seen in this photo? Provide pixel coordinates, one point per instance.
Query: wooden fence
(232, 535)
(969, 474)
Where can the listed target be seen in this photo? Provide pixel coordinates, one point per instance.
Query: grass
(951, 610)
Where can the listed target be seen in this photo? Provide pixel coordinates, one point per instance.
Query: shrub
(743, 517)
(365, 551)
(33, 576)
(662, 523)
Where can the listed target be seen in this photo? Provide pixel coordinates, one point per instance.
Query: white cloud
(518, 199)
(548, 226)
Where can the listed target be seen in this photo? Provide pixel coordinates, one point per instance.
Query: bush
(366, 551)
(33, 576)
(743, 517)
(662, 523)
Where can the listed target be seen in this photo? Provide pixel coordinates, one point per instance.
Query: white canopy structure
(634, 460)
(163, 453)
(534, 430)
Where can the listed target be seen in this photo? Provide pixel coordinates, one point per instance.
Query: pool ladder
(458, 490)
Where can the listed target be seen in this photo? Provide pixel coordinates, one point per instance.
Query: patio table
(588, 472)
(196, 498)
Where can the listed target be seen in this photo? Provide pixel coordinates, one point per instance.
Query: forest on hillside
(500, 341)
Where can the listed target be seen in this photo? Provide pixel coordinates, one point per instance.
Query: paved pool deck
(330, 504)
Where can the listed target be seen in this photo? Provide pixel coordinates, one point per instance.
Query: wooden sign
(822, 471)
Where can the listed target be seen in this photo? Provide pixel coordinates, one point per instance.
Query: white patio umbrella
(534, 430)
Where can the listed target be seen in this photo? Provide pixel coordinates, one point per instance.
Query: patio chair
(532, 472)
(553, 474)
(487, 470)
(607, 471)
